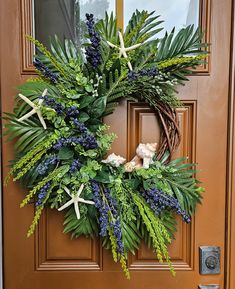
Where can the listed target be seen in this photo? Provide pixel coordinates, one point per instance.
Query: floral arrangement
(62, 144)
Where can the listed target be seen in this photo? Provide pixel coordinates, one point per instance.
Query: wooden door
(50, 259)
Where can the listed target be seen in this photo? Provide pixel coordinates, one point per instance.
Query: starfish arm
(77, 210)
(121, 40)
(40, 102)
(112, 45)
(133, 47)
(124, 54)
(80, 190)
(44, 92)
(130, 66)
(41, 119)
(128, 63)
(27, 100)
(66, 205)
(86, 201)
(67, 191)
(27, 115)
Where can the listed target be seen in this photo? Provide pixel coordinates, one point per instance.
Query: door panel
(50, 259)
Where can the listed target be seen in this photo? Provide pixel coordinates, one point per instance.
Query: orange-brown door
(50, 260)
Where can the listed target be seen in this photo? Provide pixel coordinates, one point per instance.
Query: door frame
(230, 184)
(230, 198)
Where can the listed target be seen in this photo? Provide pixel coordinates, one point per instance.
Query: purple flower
(44, 166)
(42, 193)
(117, 231)
(86, 141)
(149, 72)
(79, 125)
(52, 103)
(132, 75)
(102, 207)
(72, 111)
(76, 164)
(45, 71)
(158, 201)
(93, 54)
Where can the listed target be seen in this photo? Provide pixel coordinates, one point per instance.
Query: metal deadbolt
(209, 260)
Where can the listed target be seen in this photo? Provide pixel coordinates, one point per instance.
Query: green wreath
(62, 143)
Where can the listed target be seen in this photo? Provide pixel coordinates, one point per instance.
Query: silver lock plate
(209, 260)
(208, 287)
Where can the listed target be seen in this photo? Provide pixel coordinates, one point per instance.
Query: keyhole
(211, 262)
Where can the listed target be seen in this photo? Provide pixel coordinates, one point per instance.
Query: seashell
(135, 163)
(146, 152)
(114, 160)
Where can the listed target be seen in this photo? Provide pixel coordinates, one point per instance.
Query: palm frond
(185, 43)
(27, 133)
(65, 52)
(141, 27)
(108, 28)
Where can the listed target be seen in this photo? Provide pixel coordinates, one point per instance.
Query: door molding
(230, 209)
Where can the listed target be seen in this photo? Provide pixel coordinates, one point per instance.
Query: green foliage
(54, 176)
(89, 171)
(131, 236)
(56, 64)
(86, 96)
(157, 231)
(179, 61)
(67, 53)
(178, 177)
(98, 107)
(105, 139)
(108, 28)
(141, 27)
(25, 163)
(86, 225)
(28, 133)
(186, 42)
(38, 214)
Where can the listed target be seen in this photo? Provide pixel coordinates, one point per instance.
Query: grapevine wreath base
(62, 144)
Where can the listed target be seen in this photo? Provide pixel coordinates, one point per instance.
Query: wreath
(62, 144)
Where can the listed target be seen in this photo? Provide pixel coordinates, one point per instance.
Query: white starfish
(75, 199)
(36, 109)
(122, 49)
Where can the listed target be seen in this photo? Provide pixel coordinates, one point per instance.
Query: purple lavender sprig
(102, 208)
(72, 111)
(86, 141)
(44, 166)
(93, 54)
(106, 205)
(42, 193)
(117, 231)
(79, 125)
(158, 201)
(76, 165)
(45, 71)
(52, 103)
(149, 72)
